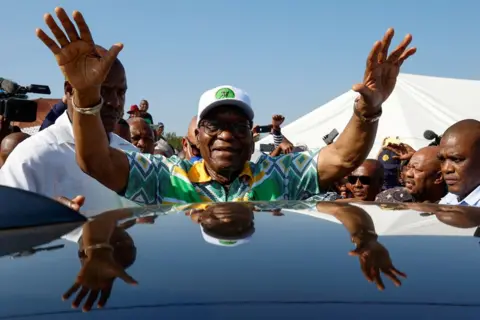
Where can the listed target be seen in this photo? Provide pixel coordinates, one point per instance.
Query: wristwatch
(363, 235)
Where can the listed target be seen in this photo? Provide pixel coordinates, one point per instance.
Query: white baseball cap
(223, 95)
(224, 242)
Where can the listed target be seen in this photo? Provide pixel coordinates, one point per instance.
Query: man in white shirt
(45, 163)
(460, 158)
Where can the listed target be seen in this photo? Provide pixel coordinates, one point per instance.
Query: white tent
(399, 223)
(418, 103)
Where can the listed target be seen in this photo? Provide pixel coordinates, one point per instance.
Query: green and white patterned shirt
(155, 179)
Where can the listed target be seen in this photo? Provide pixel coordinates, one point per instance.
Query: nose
(141, 143)
(409, 173)
(447, 167)
(358, 184)
(225, 134)
(112, 101)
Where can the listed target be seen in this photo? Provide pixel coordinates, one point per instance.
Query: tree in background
(174, 140)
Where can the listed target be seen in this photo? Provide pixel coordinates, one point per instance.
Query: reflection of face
(141, 136)
(459, 159)
(113, 94)
(227, 219)
(225, 140)
(364, 184)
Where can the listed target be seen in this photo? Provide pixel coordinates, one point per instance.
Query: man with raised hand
(223, 133)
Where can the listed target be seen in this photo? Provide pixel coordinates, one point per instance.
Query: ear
(197, 133)
(438, 178)
(184, 143)
(67, 88)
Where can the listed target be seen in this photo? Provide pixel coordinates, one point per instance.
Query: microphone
(430, 135)
(8, 86)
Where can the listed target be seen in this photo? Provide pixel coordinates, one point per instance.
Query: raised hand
(277, 121)
(382, 70)
(83, 64)
(403, 150)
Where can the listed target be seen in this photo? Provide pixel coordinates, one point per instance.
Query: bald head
(191, 129)
(463, 126)
(9, 143)
(429, 155)
(189, 142)
(375, 167)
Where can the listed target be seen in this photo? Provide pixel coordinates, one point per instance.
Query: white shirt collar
(64, 132)
(473, 198)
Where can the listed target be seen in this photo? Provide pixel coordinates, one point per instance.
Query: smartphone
(19, 110)
(329, 138)
(264, 129)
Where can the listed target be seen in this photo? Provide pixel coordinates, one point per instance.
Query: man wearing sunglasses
(223, 133)
(367, 180)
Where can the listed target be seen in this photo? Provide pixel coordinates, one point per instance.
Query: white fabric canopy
(418, 103)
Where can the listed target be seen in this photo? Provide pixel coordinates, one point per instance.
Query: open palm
(383, 69)
(83, 64)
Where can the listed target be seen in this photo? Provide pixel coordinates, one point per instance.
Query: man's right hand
(84, 67)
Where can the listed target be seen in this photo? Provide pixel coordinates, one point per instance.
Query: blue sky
(290, 56)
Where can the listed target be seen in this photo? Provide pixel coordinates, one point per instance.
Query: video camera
(14, 105)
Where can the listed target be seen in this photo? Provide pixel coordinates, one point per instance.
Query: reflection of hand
(75, 203)
(146, 220)
(374, 257)
(96, 279)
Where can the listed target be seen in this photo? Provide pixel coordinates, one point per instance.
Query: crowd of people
(87, 154)
(85, 147)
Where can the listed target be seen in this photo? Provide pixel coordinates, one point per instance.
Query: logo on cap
(385, 157)
(225, 93)
(227, 242)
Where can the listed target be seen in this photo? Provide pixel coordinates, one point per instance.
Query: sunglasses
(365, 180)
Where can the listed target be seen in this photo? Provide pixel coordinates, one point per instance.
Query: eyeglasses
(240, 130)
(366, 180)
(193, 147)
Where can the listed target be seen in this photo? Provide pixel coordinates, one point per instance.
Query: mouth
(409, 184)
(451, 182)
(225, 149)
